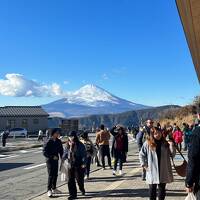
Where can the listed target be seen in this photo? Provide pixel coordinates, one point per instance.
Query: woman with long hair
(155, 158)
(76, 156)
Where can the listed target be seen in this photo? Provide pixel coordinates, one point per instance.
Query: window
(11, 123)
(35, 121)
(24, 123)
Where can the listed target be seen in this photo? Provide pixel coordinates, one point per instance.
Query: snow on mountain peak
(91, 95)
(90, 100)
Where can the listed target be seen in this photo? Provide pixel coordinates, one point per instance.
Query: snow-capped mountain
(90, 100)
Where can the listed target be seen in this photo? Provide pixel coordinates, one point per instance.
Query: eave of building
(189, 11)
(23, 116)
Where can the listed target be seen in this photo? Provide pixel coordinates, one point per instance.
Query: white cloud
(18, 86)
(66, 82)
(105, 77)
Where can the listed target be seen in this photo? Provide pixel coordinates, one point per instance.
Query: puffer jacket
(178, 137)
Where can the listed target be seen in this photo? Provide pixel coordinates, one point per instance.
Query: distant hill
(90, 100)
(126, 118)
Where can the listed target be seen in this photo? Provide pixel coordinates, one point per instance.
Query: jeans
(3, 142)
(87, 171)
(105, 151)
(75, 174)
(179, 146)
(52, 168)
(119, 156)
(161, 191)
(144, 174)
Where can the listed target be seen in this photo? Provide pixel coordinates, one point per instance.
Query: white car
(18, 132)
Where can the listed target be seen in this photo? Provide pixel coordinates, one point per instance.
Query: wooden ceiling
(189, 11)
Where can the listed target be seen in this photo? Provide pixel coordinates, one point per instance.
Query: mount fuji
(90, 100)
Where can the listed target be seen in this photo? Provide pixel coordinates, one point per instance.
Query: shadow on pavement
(9, 166)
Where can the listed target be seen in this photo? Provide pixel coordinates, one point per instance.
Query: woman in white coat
(155, 158)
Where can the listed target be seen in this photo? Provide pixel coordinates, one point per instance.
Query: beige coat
(149, 158)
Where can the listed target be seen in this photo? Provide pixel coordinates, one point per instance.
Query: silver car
(18, 132)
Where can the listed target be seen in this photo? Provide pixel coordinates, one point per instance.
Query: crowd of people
(157, 145)
(80, 151)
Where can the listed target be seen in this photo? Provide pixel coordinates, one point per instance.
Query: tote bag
(64, 171)
(190, 196)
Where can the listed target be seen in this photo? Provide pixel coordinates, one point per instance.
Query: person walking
(147, 127)
(193, 167)
(147, 132)
(140, 138)
(102, 140)
(174, 127)
(155, 158)
(76, 156)
(90, 150)
(186, 134)
(52, 150)
(4, 137)
(178, 138)
(47, 133)
(40, 135)
(119, 147)
(140, 141)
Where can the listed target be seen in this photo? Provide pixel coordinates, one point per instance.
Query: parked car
(18, 132)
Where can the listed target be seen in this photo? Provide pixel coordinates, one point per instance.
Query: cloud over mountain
(17, 85)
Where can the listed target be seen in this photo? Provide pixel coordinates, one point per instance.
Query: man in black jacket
(193, 169)
(52, 150)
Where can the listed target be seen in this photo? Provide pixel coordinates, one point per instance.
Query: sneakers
(114, 173)
(49, 193)
(72, 197)
(83, 192)
(87, 178)
(120, 172)
(56, 191)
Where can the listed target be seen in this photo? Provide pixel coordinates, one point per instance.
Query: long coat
(149, 159)
(125, 143)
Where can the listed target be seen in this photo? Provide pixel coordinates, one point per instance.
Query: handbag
(190, 196)
(181, 170)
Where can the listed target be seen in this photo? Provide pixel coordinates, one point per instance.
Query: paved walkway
(103, 185)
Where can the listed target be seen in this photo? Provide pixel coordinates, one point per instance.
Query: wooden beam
(189, 11)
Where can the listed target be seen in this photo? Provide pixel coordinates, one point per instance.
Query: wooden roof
(189, 11)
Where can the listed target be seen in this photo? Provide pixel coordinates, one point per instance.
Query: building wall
(31, 126)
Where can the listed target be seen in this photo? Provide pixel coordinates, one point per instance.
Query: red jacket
(178, 137)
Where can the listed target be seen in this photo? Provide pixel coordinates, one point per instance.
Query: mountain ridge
(88, 100)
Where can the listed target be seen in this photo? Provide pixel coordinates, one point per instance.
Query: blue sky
(134, 49)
